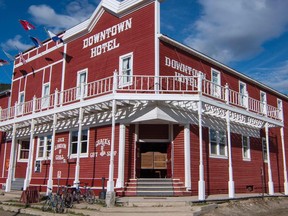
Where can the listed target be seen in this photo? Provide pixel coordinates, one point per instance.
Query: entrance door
(152, 160)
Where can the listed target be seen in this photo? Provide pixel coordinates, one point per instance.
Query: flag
(36, 41)
(53, 36)
(8, 55)
(22, 59)
(26, 25)
(3, 62)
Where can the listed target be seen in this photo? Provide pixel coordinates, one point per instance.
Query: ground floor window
(264, 149)
(44, 147)
(23, 150)
(246, 148)
(218, 144)
(83, 144)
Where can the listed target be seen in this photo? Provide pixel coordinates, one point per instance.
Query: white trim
(154, 140)
(44, 157)
(218, 155)
(242, 94)
(130, 81)
(248, 158)
(19, 152)
(79, 85)
(82, 155)
(216, 90)
(45, 101)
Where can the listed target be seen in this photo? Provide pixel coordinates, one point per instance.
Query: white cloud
(15, 43)
(236, 30)
(75, 12)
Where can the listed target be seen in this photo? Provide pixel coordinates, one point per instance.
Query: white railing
(139, 85)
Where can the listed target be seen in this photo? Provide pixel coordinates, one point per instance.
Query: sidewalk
(127, 206)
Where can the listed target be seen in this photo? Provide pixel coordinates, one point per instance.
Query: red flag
(26, 25)
(22, 59)
(3, 62)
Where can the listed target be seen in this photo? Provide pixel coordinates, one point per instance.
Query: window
(126, 69)
(262, 102)
(246, 147)
(23, 154)
(83, 145)
(280, 109)
(45, 95)
(242, 91)
(21, 102)
(264, 149)
(218, 143)
(216, 82)
(81, 83)
(44, 147)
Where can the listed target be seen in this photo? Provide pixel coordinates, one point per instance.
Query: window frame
(21, 103)
(20, 149)
(280, 108)
(74, 155)
(216, 90)
(242, 94)
(218, 144)
(45, 98)
(264, 150)
(122, 82)
(45, 155)
(78, 84)
(263, 101)
(248, 157)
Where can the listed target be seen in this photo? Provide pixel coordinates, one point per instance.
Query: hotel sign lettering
(95, 40)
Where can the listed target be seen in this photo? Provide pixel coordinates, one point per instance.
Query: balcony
(165, 88)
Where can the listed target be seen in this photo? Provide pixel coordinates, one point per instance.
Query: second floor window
(81, 83)
(242, 92)
(218, 144)
(45, 95)
(126, 69)
(262, 102)
(215, 85)
(21, 103)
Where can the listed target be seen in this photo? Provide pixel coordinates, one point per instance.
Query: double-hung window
(264, 149)
(242, 93)
(81, 83)
(262, 102)
(45, 95)
(126, 69)
(23, 154)
(215, 83)
(279, 109)
(83, 143)
(246, 148)
(44, 147)
(218, 144)
(21, 102)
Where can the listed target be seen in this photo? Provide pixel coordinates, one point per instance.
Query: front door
(152, 160)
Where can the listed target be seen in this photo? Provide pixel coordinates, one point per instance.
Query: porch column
(121, 157)
(77, 169)
(50, 178)
(187, 156)
(30, 158)
(201, 182)
(11, 160)
(270, 181)
(231, 188)
(284, 161)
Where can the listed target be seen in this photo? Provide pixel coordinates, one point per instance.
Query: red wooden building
(122, 101)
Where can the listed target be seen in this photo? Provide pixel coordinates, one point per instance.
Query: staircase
(154, 187)
(17, 184)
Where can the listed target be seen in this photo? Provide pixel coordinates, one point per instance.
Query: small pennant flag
(26, 25)
(8, 55)
(36, 41)
(54, 37)
(22, 59)
(3, 62)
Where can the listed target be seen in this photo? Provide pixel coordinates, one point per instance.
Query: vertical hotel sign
(95, 44)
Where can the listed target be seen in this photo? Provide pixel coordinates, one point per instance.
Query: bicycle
(88, 195)
(53, 202)
(67, 196)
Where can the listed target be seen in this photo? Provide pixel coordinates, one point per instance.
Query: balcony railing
(142, 85)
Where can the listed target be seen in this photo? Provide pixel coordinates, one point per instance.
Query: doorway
(153, 160)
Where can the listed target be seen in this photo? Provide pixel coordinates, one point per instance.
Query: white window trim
(218, 150)
(262, 106)
(216, 90)
(264, 140)
(242, 97)
(19, 152)
(82, 155)
(45, 148)
(280, 108)
(21, 105)
(248, 147)
(121, 84)
(45, 101)
(78, 85)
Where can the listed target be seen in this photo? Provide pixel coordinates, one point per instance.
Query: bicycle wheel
(60, 205)
(90, 197)
(47, 206)
(68, 200)
(76, 196)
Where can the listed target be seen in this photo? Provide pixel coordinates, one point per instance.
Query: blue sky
(248, 36)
